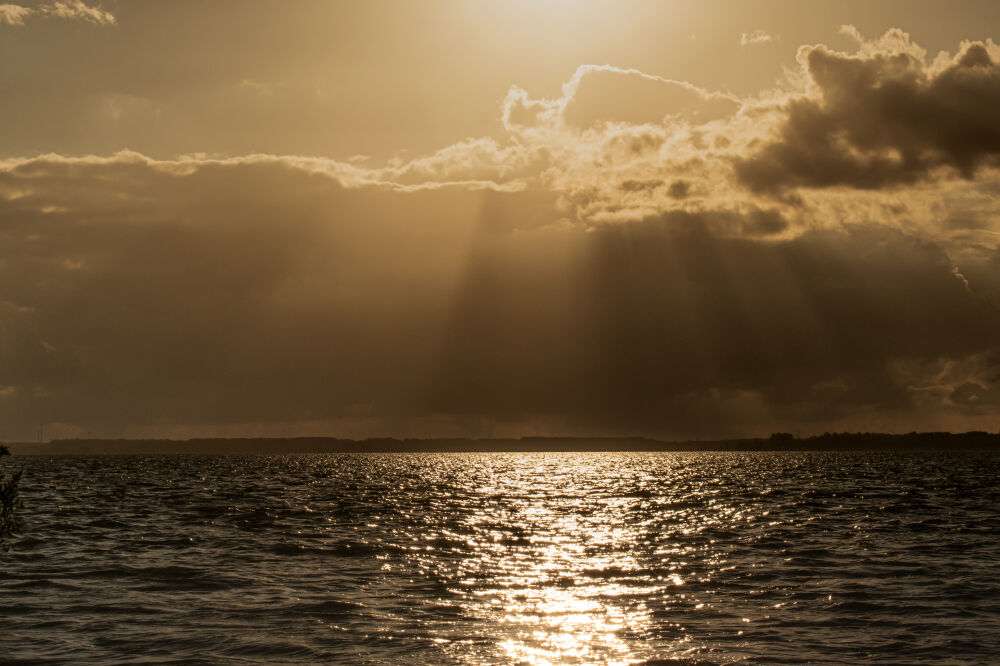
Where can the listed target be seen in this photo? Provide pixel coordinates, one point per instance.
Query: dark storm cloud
(668, 327)
(880, 120)
(214, 293)
(196, 294)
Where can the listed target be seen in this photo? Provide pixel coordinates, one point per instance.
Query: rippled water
(507, 558)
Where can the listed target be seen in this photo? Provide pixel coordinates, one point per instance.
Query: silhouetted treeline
(914, 441)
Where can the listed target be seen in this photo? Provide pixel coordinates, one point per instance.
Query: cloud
(666, 324)
(883, 118)
(755, 37)
(69, 10)
(976, 398)
(601, 94)
(621, 145)
(612, 128)
(270, 294)
(14, 14)
(610, 94)
(77, 9)
(151, 292)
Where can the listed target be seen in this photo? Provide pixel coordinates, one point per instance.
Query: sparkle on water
(508, 558)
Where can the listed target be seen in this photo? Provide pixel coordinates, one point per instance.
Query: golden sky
(440, 218)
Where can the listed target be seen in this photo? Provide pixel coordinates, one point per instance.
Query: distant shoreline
(928, 441)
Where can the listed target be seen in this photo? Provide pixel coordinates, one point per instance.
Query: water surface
(507, 558)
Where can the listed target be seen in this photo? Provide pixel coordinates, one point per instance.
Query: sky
(677, 219)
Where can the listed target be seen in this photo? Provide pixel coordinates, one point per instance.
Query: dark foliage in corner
(10, 504)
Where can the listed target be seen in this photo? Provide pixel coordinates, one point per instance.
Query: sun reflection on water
(554, 569)
(585, 558)
(552, 615)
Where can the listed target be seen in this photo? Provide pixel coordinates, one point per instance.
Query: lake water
(696, 558)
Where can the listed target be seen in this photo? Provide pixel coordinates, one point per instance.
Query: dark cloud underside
(258, 292)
